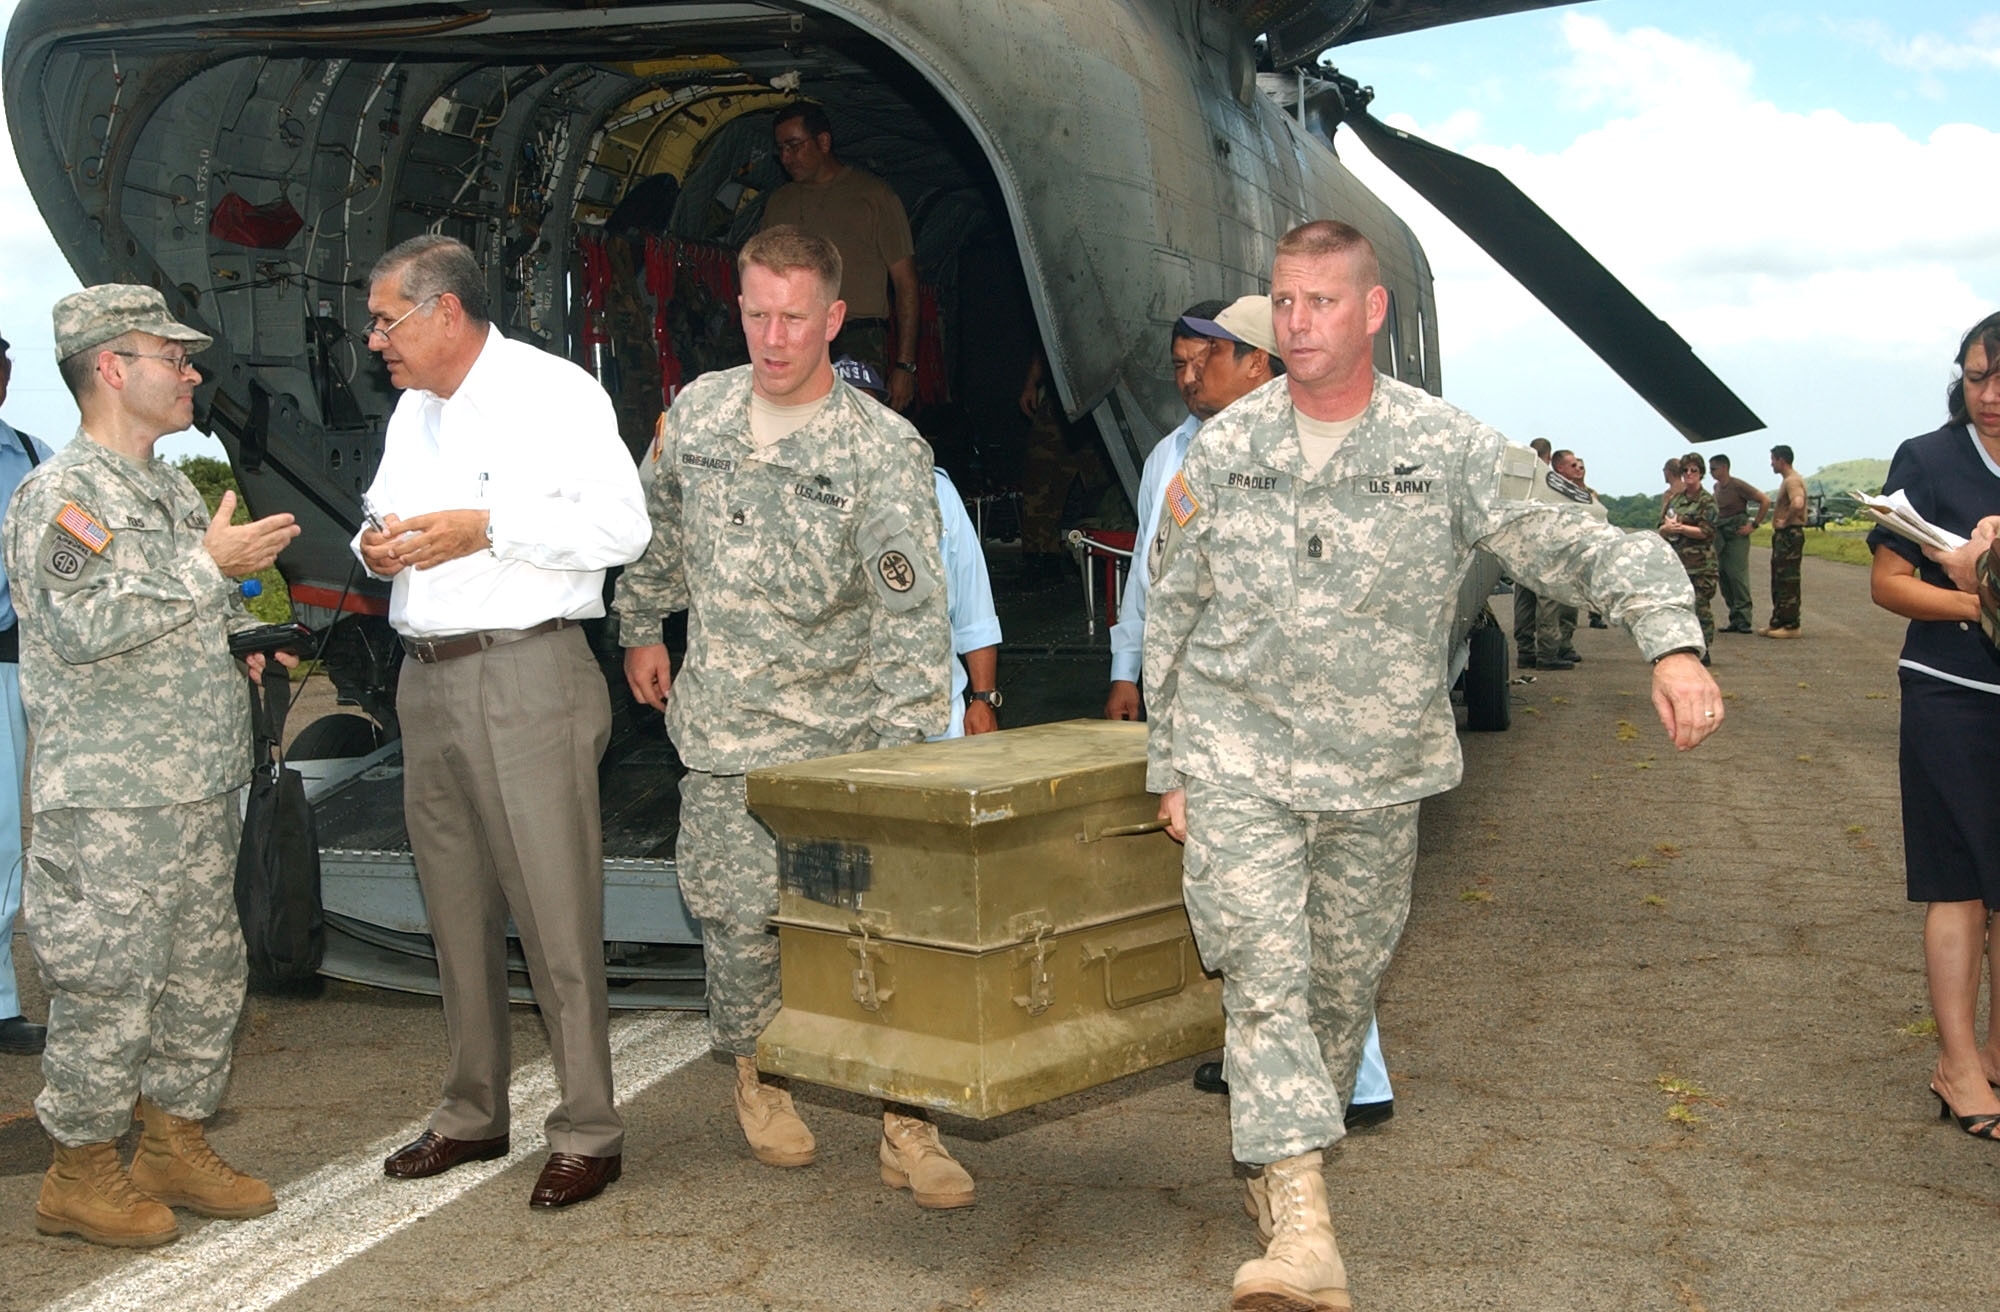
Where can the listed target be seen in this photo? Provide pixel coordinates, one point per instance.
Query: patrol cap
(97, 314)
(858, 373)
(1247, 319)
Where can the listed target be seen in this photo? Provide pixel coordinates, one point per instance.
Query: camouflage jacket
(811, 578)
(130, 689)
(1297, 641)
(1695, 557)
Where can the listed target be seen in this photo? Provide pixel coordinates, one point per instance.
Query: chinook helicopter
(1076, 173)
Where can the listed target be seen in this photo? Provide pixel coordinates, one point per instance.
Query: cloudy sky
(1807, 193)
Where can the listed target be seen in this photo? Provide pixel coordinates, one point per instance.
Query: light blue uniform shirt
(14, 466)
(968, 594)
(1128, 635)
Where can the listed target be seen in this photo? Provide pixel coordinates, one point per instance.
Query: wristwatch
(907, 366)
(990, 696)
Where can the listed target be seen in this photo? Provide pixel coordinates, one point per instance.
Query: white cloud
(1928, 52)
(1775, 241)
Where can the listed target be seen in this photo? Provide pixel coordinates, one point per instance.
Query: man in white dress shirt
(503, 495)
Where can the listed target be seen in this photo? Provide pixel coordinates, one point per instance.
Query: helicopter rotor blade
(1520, 236)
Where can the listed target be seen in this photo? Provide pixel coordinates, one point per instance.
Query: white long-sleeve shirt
(532, 439)
(1128, 635)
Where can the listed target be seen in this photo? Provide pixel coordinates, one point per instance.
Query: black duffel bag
(277, 866)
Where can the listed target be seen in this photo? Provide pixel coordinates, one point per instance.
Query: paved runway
(1651, 1032)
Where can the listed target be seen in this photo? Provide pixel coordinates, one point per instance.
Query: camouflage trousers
(728, 864)
(1732, 567)
(131, 913)
(1704, 581)
(1788, 548)
(1300, 911)
(1555, 629)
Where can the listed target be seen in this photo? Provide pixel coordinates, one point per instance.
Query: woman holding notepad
(1950, 676)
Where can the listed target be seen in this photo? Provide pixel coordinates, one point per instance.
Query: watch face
(991, 698)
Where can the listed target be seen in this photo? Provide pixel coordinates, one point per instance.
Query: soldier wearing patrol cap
(1295, 662)
(125, 588)
(795, 521)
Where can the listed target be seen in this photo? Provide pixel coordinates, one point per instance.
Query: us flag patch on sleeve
(1180, 502)
(76, 521)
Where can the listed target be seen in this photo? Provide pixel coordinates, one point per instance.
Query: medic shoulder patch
(1180, 502)
(898, 574)
(77, 522)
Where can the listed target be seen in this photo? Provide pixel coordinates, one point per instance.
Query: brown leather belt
(432, 650)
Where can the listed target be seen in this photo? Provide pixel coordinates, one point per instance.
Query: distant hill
(1849, 476)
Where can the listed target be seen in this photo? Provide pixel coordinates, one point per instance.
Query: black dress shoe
(21, 1036)
(1597, 622)
(1208, 1078)
(433, 1154)
(1555, 665)
(572, 1178)
(1573, 657)
(1361, 1115)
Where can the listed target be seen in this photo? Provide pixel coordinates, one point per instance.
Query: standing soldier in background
(1294, 662)
(1733, 526)
(796, 522)
(864, 219)
(1555, 621)
(1688, 525)
(1788, 545)
(18, 1035)
(125, 587)
(1527, 608)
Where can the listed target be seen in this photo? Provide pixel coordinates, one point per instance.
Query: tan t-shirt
(771, 423)
(1320, 438)
(860, 214)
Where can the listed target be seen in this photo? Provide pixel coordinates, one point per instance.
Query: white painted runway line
(347, 1207)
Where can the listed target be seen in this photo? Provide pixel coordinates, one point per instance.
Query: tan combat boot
(175, 1165)
(86, 1192)
(771, 1124)
(1257, 1203)
(1301, 1271)
(913, 1159)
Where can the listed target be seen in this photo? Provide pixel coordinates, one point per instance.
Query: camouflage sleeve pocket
(899, 568)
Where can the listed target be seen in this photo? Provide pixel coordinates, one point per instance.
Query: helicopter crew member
(497, 545)
(796, 522)
(1295, 669)
(18, 1035)
(1688, 525)
(864, 219)
(124, 584)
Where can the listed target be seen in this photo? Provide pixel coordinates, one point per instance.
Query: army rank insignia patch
(1180, 502)
(76, 521)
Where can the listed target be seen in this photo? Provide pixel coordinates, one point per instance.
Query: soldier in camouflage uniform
(1788, 545)
(795, 520)
(1688, 524)
(125, 587)
(1296, 658)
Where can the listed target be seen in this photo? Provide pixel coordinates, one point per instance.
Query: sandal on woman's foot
(1984, 1126)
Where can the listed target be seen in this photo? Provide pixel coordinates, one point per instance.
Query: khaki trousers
(500, 754)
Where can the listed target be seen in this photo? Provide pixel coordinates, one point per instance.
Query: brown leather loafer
(572, 1178)
(433, 1154)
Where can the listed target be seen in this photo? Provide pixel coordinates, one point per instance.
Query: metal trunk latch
(866, 992)
(1041, 994)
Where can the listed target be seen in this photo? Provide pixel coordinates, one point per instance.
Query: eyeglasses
(178, 359)
(791, 145)
(376, 326)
